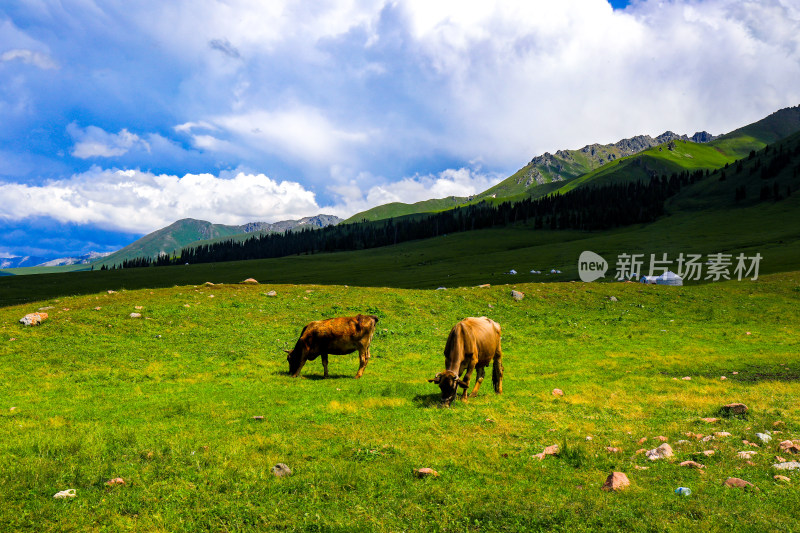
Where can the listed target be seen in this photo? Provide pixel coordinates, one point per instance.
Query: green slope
(166, 240)
(398, 209)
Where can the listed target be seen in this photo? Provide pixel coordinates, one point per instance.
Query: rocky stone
(612, 299)
(208, 283)
(764, 437)
(484, 286)
(790, 465)
(662, 452)
(612, 449)
(708, 453)
(250, 281)
(33, 319)
(739, 483)
(425, 472)
(734, 408)
(135, 315)
(558, 392)
(616, 481)
(778, 477)
(114, 482)
(517, 295)
(281, 470)
(69, 493)
(746, 454)
(272, 293)
(662, 438)
(789, 446)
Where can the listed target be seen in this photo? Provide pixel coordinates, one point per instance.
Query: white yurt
(669, 278)
(651, 280)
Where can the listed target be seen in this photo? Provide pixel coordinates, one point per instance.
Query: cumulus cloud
(141, 202)
(356, 195)
(96, 142)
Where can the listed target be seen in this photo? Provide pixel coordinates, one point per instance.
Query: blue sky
(118, 118)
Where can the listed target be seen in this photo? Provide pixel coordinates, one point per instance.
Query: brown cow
(472, 344)
(337, 336)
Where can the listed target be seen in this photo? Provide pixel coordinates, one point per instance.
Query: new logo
(591, 266)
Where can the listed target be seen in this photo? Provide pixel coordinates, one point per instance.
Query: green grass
(167, 401)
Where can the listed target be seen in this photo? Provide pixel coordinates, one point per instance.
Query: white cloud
(353, 196)
(301, 133)
(30, 57)
(96, 142)
(141, 202)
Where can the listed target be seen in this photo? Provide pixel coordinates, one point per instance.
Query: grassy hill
(164, 241)
(399, 209)
(168, 403)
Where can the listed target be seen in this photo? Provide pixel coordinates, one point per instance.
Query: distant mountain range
(30, 261)
(189, 231)
(639, 157)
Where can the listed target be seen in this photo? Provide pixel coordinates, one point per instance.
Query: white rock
(791, 465)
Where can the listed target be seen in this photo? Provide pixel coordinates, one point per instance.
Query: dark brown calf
(472, 344)
(337, 336)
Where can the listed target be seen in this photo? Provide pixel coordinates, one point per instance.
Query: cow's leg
(480, 373)
(466, 379)
(325, 364)
(497, 372)
(363, 357)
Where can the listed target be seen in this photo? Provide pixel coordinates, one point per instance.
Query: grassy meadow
(167, 402)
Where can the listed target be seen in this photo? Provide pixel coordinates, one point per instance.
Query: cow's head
(448, 382)
(296, 359)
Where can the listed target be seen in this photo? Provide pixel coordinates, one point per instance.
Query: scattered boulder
(425, 472)
(208, 283)
(281, 470)
(484, 286)
(612, 449)
(692, 464)
(789, 446)
(616, 481)
(662, 452)
(662, 438)
(746, 454)
(250, 281)
(69, 493)
(517, 295)
(778, 477)
(612, 299)
(558, 392)
(33, 319)
(733, 409)
(272, 293)
(114, 482)
(739, 483)
(764, 437)
(790, 465)
(708, 453)
(549, 450)
(135, 315)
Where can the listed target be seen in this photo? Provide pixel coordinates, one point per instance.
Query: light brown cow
(337, 336)
(472, 344)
